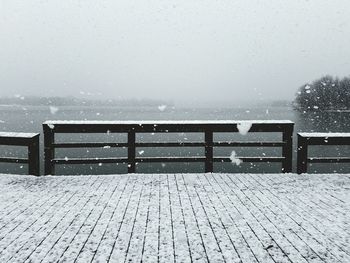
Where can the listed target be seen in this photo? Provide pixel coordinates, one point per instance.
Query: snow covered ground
(175, 218)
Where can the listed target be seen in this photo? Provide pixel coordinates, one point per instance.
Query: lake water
(29, 119)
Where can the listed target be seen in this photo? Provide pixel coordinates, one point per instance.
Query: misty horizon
(179, 51)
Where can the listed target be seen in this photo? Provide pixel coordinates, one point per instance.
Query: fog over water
(184, 50)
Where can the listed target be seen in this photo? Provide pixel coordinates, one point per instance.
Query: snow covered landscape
(175, 218)
(175, 131)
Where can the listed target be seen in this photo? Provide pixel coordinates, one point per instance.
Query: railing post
(131, 152)
(49, 151)
(33, 156)
(287, 149)
(208, 151)
(302, 155)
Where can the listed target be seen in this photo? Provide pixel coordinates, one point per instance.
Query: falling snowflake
(53, 110)
(162, 107)
(234, 159)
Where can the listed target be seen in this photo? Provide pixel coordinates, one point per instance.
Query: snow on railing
(307, 139)
(131, 128)
(30, 140)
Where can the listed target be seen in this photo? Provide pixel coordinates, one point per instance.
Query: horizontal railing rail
(131, 128)
(307, 139)
(29, 140)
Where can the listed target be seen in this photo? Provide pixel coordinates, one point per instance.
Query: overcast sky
(188, 49)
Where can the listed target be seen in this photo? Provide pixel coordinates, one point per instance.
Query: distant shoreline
(22, 101)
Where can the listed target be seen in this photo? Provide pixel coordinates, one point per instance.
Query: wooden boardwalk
(175, 218)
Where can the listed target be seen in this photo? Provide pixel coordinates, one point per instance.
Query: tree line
(326, 93)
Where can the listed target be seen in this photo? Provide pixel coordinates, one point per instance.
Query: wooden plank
(112, 231)
(33, 157)
(77, 231)
(250, 159)
(318, 207)
(301, 218)
(166, 230)
(30, 233)
(209, 151)
(160, 218)
(253, 233)
(249, 144)
(25, 135)
(195, 237)
(202, 159)
(210, 239)
(326, 138)
(39, 245)
(16, 224)
(287, 150)
(15, 208)
(60, 242)
(217, 225)
(229, 218)
(284, 242)
(182, 252)
(280, 219)
(302, 150)
(17, 138)
(120, 245)
(170, 144)
(49, 151)
(89, 160)
(170, 159)
(135, 246)
(131, 151)
(13, 160)
(164, 126)
(328, 160)
(325, 134)
(165, 122)
(152, 231)
(82, 254)
(88, 145)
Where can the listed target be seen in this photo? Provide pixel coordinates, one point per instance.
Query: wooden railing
(30, 140)
(208, 128)
(307, 139)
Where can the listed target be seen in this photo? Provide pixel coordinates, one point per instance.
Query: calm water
(29, 119)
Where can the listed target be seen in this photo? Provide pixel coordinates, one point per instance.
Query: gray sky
(186, 49)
